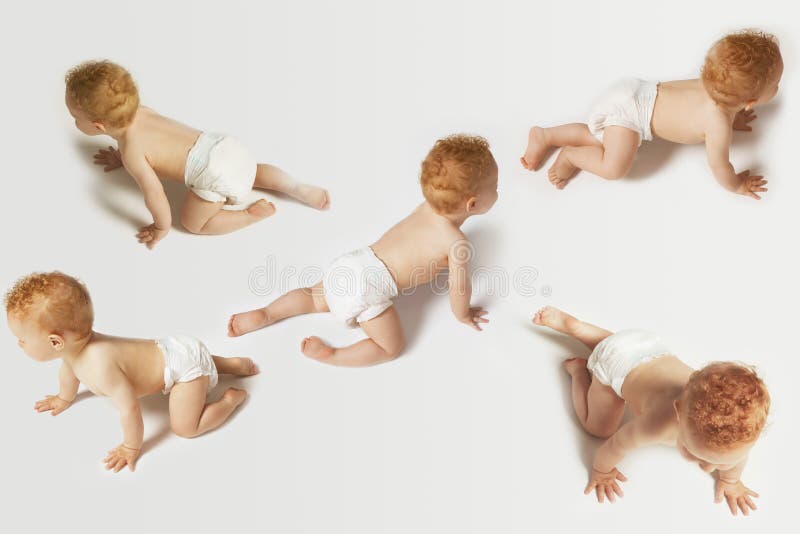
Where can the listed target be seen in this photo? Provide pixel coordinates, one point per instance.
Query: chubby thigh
(186, 403)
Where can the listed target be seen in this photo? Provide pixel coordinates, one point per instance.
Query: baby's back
(417, 247)
(164, 142)
(140, 360)
(683, 111)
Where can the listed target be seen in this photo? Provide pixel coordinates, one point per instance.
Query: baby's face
(772, 88)
(82, 121)
(32, 339)
(487, 192)
(707, 458)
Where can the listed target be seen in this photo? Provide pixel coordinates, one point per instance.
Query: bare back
(164, 142)
(140, 360)
(651, 389)
(683, 112)
(417, 247)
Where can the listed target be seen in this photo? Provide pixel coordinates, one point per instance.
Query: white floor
(467, 432)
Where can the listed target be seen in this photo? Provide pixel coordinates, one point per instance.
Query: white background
(466, 432)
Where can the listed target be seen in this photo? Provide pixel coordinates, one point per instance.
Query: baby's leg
(611, 161)
(541, 140)
(385, 343)
(296, 302)
(202, 217)
(588, 334)
(190, 416)
(273, 178)
(235, 366)
(597, 406)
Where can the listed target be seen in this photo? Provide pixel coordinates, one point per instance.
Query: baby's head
(743, 69)
(721, 413)
(48, 312)
(459, 176)
(101, 96)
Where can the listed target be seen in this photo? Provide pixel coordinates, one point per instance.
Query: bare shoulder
(658, 423)
(718, 122)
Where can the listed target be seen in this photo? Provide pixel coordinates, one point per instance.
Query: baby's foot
(261, 209)
(235, 396)
(314, 347)
(575, 365)
(537, 148)
(311, 195)
(243, 367)
(244, 323)
(555, 319)
(562, 171)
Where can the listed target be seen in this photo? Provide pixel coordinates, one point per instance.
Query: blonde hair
(59, 302)
(727, 404)
(739, 66)
(104, 91)
(453, 170)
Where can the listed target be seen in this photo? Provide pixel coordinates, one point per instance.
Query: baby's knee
(184, 430)
(603, 431)
(615, 171)
(191, 224)
(395, 348)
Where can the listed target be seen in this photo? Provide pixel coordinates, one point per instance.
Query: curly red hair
(453, 170)
(727, 404)
(59, 302)
(740, 66)
(105, 91)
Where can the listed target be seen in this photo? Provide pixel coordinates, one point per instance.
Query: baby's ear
(750, 105)
(471, 204)
(99, 126)
(677, 405)
(56, 341)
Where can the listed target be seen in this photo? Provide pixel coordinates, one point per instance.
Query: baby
(459, 180)
(51, 314)
(714, 416)
(741, 70)
(218, 171)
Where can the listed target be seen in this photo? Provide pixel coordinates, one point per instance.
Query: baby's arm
(729, 486)
(122, 394)
(461, 286)
(632, 435)
(154, 198)
(68, 388)
(718, 145)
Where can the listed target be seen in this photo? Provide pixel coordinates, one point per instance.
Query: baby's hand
(743, 119)
(605, 484)
(53, 404)
(751, 185)
(120, 457)
(737, 494)
(108, 158)
(150, 235)
(475, 317)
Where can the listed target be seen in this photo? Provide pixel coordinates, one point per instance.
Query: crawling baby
(459, 180)
(51, 314)
(217, 169)
(742, 70)
(713, 416)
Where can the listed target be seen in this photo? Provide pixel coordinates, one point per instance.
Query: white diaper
(628, 103)
(220, 169)
(358, 286)
(619, 354)
(186, 358)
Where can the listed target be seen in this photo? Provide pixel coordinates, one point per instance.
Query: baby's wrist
(135, 449)
(62, 399)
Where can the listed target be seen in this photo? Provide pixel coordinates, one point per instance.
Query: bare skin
(155, 147)
(125, 370)
(653, 391)
(683, 113)
(414, 250)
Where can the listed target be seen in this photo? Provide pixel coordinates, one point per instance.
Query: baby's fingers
(617, 489)
(731, 504)
(752, 493)
(621, 477)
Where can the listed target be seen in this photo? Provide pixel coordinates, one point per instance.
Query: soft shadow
(586, 444)
(765, 116)
(111, 190)
(83, 395)
(652, 156)
(412, 311)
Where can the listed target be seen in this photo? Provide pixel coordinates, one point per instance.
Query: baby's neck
(73, 348)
